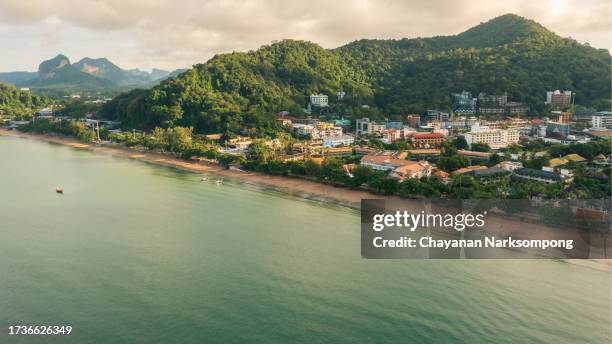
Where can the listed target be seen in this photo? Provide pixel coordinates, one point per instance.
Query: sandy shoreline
(298, 187)
(294, 186)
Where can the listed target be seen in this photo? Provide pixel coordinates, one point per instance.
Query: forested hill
(14, 102)
(507, 54)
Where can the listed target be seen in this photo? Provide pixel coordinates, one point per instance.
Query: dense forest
(19, 103)
(508, 54)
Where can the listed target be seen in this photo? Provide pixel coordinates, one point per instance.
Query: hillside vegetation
(14, 102)
(507, 54)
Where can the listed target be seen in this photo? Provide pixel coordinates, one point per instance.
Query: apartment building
(427, 140)
(495, 138)
(559, 99)
(602, 120)
(320, 100)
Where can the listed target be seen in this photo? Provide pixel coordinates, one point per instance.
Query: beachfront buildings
(495, 138)
(397, 168)
(320, 100)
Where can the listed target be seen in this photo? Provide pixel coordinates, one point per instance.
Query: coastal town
(357, 171)
(486, 140)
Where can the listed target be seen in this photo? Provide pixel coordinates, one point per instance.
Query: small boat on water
(59, 190)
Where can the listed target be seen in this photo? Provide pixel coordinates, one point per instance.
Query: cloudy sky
(178, 33)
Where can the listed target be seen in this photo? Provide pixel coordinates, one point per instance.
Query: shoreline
(301, 188)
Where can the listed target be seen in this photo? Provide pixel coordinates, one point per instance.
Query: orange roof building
(398, 168)
(426, 140)
(468, 169)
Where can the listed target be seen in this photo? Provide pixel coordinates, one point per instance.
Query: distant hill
(15, 78)
(87, 74)
(59, 73)
(508, 54)
(104, 69)
(157, 74)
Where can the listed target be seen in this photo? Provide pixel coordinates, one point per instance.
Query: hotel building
(320, 100)
(495, 138)
(559, 99)
(427, 140)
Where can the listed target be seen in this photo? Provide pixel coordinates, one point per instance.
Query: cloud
(174, 33)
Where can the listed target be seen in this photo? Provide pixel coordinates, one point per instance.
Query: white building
(602, 120)
(510, 165)
(334, 141)
(304, 129)
(320, 100)
(319, 130)
(45, 112)
(398, 168)
(495, 138)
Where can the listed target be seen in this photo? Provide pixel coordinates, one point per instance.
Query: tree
(495, 159)
(460, 143)
(311, 168)
(361, 175)
(332, 170)
(453, 163)
(179, 138)
(410, 187)
(480, 147)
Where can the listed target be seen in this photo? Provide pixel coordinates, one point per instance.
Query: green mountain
(58, 73)
(15, 78)
(87, 74)
(508, 54)
(14, 102)
(157, 74)
(104, 69)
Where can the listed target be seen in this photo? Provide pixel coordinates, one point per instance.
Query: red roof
(428, 136)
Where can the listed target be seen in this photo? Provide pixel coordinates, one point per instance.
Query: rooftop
(574, 158)
(385, 160)
(557, 162)
(489, 172)
(468, 169)
(474, 153)
(428, 135)
(424, 151)
(538, 173)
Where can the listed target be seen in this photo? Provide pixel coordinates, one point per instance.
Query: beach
(295, 186)
(298, 187)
